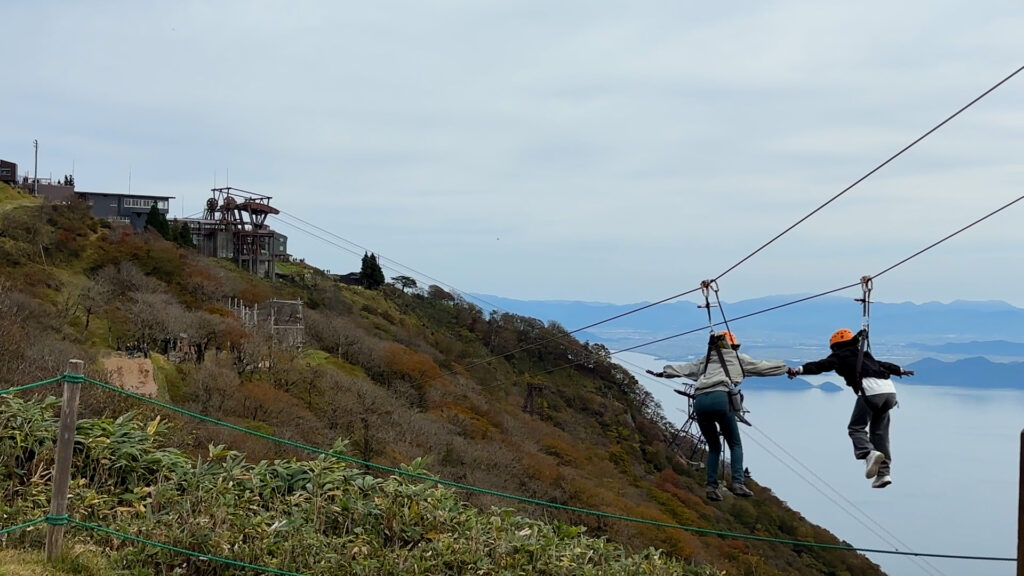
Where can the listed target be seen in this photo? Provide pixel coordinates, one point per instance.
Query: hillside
(418, 378)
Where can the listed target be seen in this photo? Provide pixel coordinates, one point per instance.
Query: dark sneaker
(881, 481)
(714, 495)
(872, 462)
(740, 490)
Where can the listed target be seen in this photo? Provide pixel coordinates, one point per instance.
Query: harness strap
(739, 361)
(705, 289)
(866, 284)
(707, 357)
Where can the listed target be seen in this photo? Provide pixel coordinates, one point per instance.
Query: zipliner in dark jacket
(876, 396)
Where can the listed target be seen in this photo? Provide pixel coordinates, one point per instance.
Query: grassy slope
(33, 563)
(583, 448)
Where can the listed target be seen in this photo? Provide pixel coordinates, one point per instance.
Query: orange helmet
(841, 335)
(729, 338)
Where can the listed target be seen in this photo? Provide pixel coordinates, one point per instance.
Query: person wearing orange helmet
(871, 379)
(715, 375)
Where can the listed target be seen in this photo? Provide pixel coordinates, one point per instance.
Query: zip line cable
(364, 249)
(744, 316)
(662, 301)
(741, 317)
(300, 229)
(515, 497)
(835, 491)
(737, 264)
(806, 298)
(494, 306)
(743, 260)
(380, 258)
(871, 172)
(819, 208)
(454, 289)
(937, 242)
(851, 285)
(827, 497)
(664, 339)
(421, 403)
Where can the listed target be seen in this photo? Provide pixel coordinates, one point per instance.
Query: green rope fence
(450, 483)
(22, 526)
(524, 499)
(6, 391)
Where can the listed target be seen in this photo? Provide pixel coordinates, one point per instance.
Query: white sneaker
(881, 482)
(873, 461)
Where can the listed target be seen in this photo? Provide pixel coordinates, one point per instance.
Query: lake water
(956, 466)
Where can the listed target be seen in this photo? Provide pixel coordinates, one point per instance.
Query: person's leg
(858, 429)
(707, 417)
(879, 428)
(710, 431)
(731, 433)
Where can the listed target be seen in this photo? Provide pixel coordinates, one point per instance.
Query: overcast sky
(615, 152)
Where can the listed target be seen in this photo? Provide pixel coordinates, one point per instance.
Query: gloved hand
(794, 372)
(907, 373)
(657, 374)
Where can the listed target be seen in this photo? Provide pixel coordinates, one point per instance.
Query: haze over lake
(955, 467)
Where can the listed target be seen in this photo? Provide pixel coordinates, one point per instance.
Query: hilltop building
(128, 208)
(8, 172)
(233, 226)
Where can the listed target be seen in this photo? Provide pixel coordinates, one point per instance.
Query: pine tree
(370, 274)
(183, 236)
(157, 221)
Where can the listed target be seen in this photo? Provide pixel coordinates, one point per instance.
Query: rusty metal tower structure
(245, 214)
(687, 440)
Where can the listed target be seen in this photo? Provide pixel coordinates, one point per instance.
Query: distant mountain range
(959, 328)
(783, 383)
(962, 343)
(973, 372)
(976, 372)
(977, 348)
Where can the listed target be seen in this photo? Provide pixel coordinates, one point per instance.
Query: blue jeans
(713, 414)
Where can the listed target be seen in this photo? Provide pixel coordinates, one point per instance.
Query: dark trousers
(869, 427)
(713, 414)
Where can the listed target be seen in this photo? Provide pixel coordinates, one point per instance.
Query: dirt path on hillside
(132, 374)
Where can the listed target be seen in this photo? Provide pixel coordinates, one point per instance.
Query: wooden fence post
(62, 460)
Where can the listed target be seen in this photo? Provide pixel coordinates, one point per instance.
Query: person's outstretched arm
(689, 370)
(894, 369)
(820, 366)
(753, 367)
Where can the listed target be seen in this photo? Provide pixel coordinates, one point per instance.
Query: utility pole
(35, 170)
